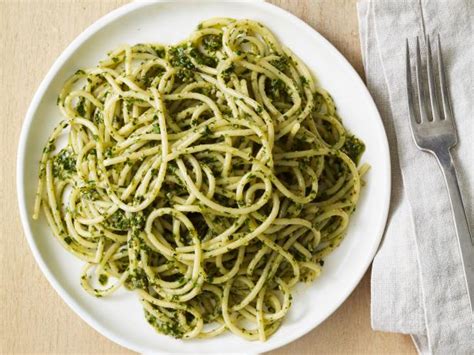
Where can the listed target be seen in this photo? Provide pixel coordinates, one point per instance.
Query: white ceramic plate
(120, 317)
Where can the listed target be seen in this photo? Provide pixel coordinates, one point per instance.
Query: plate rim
(53, 71)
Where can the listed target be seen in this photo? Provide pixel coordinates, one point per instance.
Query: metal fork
(436, 133)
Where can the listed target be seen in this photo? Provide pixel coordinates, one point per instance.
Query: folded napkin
(418, 285)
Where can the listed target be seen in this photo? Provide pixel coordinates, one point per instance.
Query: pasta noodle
(209, 176)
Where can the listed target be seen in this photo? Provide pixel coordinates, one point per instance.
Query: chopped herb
(103, 279)
(80, 107)
(207, 131)
(119, 221)
(89, 191)
(156, 128)
(202, 59)
(180, 58)
(354, 148)
(137, 279)
(226, 73)
(137, 220)
(109, 152)
(184, 75)
(98, 117)
(64, 164)
(281, 63)
(212, 42)
(275, 88)
(49, 147)
(160, 51)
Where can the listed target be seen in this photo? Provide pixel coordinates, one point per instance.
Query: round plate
(120, 317)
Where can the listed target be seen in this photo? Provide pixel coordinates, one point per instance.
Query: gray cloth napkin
(418, 286)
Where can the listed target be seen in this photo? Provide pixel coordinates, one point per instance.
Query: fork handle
(466, 242)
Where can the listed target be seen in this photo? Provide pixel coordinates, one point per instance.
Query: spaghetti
(210, 177)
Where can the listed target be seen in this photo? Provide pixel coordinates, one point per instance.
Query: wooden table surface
(33, 317)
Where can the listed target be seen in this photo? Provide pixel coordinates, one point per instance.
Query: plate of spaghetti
(211, 177)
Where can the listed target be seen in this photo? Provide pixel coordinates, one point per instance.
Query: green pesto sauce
(103, 279)
(171, 328)
(275, 88)
(119, 221)
(354, 148)
(64, 164)
(179, 57)
(212, 42)
(281, 63)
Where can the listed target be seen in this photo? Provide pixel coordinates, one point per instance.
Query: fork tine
(431, 82)
(410, 88)
(448, 113)
(419, 84)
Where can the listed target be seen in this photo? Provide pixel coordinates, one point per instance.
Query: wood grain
(33, 318)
